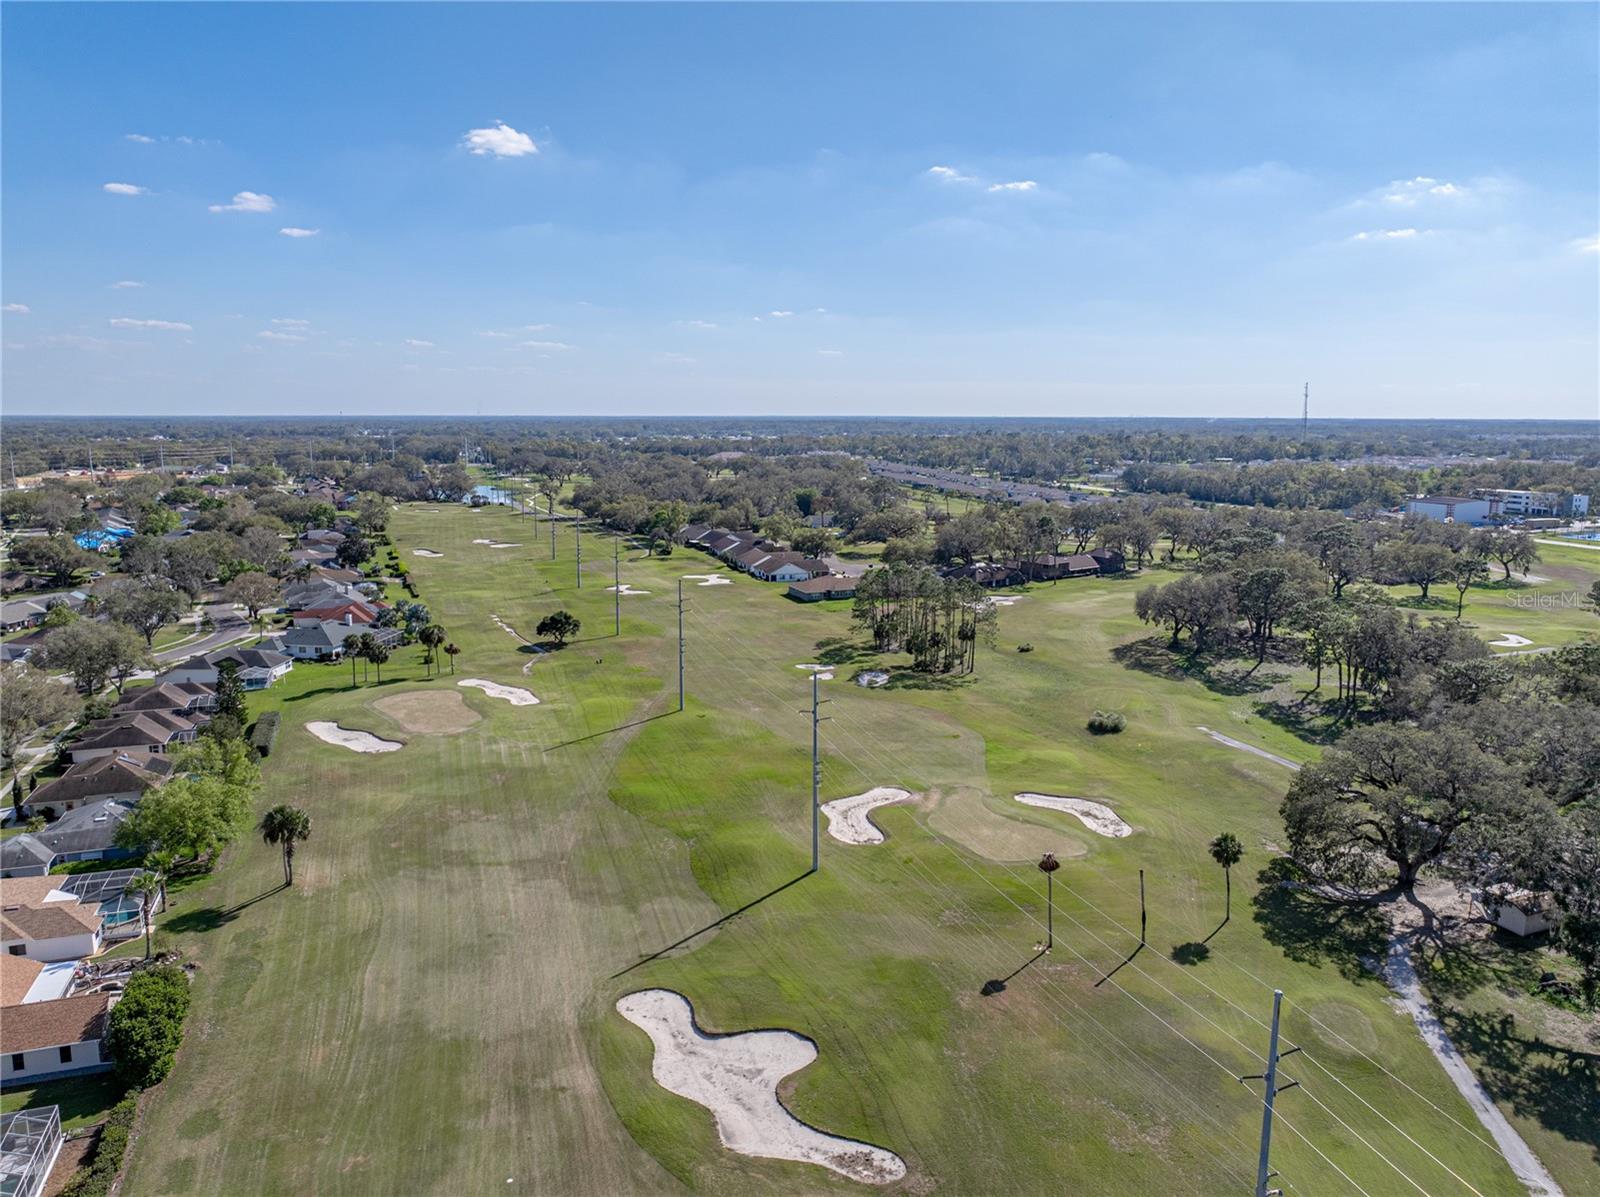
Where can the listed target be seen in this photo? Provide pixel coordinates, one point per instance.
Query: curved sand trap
(355, 741)
(515, 695)
(425, 553)
(625, 590)
(736, 1078)
(1510, 640)
(709, 579)
(848, 818)
(872, 677)
(508, 629)
(429, 712)
(1096, 816)
(1003, 600)
(506, 544)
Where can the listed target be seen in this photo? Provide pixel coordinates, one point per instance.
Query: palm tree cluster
(364, 647)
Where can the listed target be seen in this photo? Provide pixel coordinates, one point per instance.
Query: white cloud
(270, 334)
(780, 315)
(1408, 193)
(560, 345)
(247, 201)
(490, 332)
(124, 189)
(1018, 185)
(294, 232)
(126, 284)
(1387, 235)
(139, 137)
(501, 140)
(414, 343)
(1587, 245)
(949, 174)
(164, 325)
(676, 359)
(291, 322)
(704, 324)
(831, 352)
(16, 309)
(537, 327)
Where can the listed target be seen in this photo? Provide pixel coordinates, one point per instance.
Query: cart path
(1251, 748)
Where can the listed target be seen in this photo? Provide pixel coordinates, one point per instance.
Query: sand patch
(515, 695)
(964, 815)
(481, 540)
(736, 1078)
(1096, 816)
(1510, 640)
(429, 712)
(872, 678)
(506, 544)
(509, 630)
(425, 553)
(356, 741)
(709, 579)
(1251, 749)
(849, 819)
(824, 672)
(625, 590)
(1003, 600)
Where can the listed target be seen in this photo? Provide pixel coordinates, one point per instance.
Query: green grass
(429, 1009)
(84, 1100)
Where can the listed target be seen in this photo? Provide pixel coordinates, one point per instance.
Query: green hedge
(145, 1027)
(96, 1180)
(265, 733)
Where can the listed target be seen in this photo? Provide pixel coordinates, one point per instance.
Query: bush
(1107, 723)
(1024, 648)
(144, 1028)
(265, 733)
(96, 1180)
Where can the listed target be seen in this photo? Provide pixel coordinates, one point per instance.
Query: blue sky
(1075, 209)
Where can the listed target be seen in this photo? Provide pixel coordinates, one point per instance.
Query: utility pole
(680, 644)
(816, 779)
(1270, 1091)
(1305, 411)
(1141, 908)
(551, 500)
(577, 544)
(616, 581)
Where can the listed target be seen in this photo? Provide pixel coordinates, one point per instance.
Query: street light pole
(616, 581)
(1048, 864)
(680, 644)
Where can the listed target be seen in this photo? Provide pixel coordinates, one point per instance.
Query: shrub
(144, 1028)
(265, 733)
(1107, 723)
(1024, 648)
(96, 1180)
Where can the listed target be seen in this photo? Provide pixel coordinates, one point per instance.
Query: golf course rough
(736, 1077)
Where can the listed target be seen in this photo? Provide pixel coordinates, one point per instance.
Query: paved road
(230, 626)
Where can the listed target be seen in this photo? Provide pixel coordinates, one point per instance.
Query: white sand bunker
(1003, 600)
(515, 695)
(356, 741)
(508, 629)
(736, 1078)
(1096, 816)
(625, 590)
(872, 677)
(709, 579)
(425, 553)
(1510, 640)
(506, 544)
(848, 818)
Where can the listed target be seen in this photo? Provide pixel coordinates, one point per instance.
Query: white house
(258, 667)
(43, 1040)
(41, 922)
(1521, 911)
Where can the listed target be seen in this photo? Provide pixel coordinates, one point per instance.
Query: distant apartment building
(1518, 504)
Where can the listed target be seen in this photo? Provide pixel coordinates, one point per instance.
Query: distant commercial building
(1451, 509)
(1537, 503)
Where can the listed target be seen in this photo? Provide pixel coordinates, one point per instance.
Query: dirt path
(1402, 978)
(1250, 748)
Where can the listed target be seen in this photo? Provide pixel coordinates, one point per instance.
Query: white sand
(1004, 600)
(356, 741)
(848, 818)
(425, 553)
(515, 695)
(480, 540)
(625, 590)
(824, 672)
(1096, 816)
(709, 579)
(736, 1078)
(872, 677)
(506, 544)
(1250, 748)
(1510, 640)
(508, 629)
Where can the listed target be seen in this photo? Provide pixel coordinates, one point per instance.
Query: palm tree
(1227, 851)
(378, 654)
(147, 887)
(450, 651)
(285, 825)
(1048, 864)
(161, 861)
(352, 649)
(365, 643)
(432, 637)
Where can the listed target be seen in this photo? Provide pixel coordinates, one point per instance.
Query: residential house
(318, 592)
(183, 698)
(986, 573)
(827, 586)
(1520, 911)
(785, 567)
(43, 922)
(140, 731)
(258, 667)
(31, 612)
(20, 648)
(1109, 560)
(350, 611)
(50, 1040)
(23, 980)
(119, 776)
(88, 832)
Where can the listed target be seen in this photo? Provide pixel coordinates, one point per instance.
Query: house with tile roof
(42, 922)
(50, 1040)
(123, 776)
